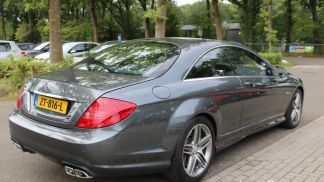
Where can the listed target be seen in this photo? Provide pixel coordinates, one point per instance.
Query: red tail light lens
(19, 97)
(105, 112)
(23, 53)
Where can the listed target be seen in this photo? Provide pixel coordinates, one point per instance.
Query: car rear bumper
(100, 152)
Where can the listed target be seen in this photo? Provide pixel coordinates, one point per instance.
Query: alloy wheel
(197, 150)
(296, 108)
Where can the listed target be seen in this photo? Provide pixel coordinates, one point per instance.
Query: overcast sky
(182, 2)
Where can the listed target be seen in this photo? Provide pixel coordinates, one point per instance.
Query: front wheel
(294, 111)
(194, 152)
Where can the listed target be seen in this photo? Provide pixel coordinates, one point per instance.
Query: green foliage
(154, 15)
(17, 71)
(43, 29)
(274, 58)
(173, 21)
(77, 31)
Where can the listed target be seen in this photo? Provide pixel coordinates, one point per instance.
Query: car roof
(183, 42)
(7, 41)
(76, 43)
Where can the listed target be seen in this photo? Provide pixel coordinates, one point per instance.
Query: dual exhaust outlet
(77, 172)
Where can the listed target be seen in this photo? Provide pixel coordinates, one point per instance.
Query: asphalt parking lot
(17, 166)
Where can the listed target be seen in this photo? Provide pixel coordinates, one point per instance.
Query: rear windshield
(144, 58)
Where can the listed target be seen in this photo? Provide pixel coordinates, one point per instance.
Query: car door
(5, 50)
(221, 88)
(261, 95)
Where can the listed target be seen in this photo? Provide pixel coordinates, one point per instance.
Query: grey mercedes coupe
(153, 106)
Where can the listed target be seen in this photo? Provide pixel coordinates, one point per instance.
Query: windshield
(40, 46)
(134, 58)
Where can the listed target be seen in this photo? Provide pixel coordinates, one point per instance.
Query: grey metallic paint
(145, 141)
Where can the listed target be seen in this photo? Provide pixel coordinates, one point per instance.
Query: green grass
(284, 65)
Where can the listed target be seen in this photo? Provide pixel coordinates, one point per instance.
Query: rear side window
(78, 48)
(212, 64)
(246, 63)
(88, 47)
(144, 58)
(5, 47)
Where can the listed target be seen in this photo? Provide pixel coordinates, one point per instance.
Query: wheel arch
(212, 121)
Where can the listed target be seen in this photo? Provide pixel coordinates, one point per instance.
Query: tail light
(105, 112)
(19, 97)
(23, 53)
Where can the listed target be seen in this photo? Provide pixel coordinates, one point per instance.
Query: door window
(5, 47)
(78, 48)
(246, 63)
(212, 64)
(88, 47)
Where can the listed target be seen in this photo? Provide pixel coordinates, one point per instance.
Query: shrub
(17, 71)
(274, 58)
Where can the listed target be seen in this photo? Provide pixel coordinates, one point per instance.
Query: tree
(313, 8)
(271, 34)
(249, 10)
(3, 21)
(54, 16)
(94, 21)
(147, 22)
(289, 23)
(217, 20)
(161, 20)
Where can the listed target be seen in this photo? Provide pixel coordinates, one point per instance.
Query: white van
(9, 48)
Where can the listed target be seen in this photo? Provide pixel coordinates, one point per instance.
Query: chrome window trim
(220, 46)
(53, 96)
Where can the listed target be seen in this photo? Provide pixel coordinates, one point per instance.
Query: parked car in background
(26, 46)
(96, 49)
(153, 105)
(9, 48)
(71, 49)
(103, 46)
(39, 49)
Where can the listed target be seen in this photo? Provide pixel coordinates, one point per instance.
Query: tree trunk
(54, 16)
(313, 8)
(270, 23)
(3, 21)
(160, 22)
(217, 20)
(94, 20)
(146, 22)
(147, 27)
(289, 21)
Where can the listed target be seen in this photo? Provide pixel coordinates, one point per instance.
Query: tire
(294, 111)
(199, 155)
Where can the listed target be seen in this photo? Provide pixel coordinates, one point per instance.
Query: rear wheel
(294, 111)
(194, 153)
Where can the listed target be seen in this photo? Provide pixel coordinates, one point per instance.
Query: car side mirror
(73, 51)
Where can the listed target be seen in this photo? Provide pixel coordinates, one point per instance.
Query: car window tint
(5, 47)
(246, 63)
(90, 46)
(134, 58)
(212, 64)
(78, 48)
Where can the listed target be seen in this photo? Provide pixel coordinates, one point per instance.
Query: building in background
(233, 32)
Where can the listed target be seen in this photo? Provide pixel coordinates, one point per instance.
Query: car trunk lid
(76, 89)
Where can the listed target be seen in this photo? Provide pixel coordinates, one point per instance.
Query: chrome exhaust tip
(77, 173)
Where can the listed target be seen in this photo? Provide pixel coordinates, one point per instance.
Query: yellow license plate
(52, 104)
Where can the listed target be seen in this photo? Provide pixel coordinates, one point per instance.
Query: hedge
(274, 58)
(17, 71)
